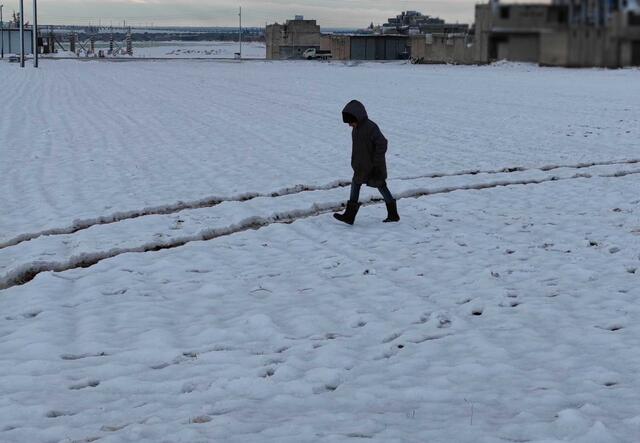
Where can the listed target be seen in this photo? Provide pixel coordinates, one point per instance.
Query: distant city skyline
(328, 13)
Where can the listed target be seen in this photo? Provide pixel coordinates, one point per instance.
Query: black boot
(392, 212)
(349, 215)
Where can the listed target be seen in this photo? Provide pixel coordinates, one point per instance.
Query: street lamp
(34, 29)
(1, 34)
(22, 33)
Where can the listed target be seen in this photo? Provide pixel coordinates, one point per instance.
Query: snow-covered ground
(170, 270)
(199, 49)
(180, 49)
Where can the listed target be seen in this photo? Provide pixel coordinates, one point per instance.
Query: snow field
(224, 216)
(253, 50)
(298, 333)
(170, 270)
(85, 140)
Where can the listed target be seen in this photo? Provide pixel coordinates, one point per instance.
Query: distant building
(454, 49)
(600, 33)
(367, 47)
(571, 33)
(290, 40)
(414, 22)
(514, 32)
(11, 40)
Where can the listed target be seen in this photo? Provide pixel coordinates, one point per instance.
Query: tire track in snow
(28, 272)
(208, 202)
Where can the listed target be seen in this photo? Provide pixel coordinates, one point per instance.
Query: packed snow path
(86, 247)
(79, 225)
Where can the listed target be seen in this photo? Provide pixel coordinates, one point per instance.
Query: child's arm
(379, 148)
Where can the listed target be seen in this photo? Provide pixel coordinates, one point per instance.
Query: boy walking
(368, 162)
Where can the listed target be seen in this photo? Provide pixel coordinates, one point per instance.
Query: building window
(563, 16)
(634, 19)
(505, 12)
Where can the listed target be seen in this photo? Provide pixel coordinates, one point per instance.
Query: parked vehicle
(316, 54)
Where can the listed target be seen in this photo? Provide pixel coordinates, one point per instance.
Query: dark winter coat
(369, 147)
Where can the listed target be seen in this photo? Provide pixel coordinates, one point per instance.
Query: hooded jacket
(369, 147)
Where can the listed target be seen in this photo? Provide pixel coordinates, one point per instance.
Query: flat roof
(369, 35)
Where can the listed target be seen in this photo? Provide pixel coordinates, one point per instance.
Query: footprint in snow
(391, 337)
(26, 315)
(56, 414)
(613, 327)
(444, 322)
(329, 387)
(267, 372)
(113, 428)
(81, 356)
(85, 384)
(115, 292)
(511, 303)
(423, 319)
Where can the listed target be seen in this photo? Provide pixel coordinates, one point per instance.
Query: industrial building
(414, 22)
(455, 49)
(10, 41)
(290, 40)
(571, 33)
(367, 47)
(568, 33)
(513, 32)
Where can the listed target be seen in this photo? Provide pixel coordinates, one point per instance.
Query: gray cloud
(328, 13)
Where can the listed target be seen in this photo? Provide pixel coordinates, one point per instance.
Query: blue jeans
(384, 190)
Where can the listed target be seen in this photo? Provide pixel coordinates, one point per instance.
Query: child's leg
(355, 192)
(386, 194)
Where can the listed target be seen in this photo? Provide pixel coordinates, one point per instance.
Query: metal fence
(10, 39)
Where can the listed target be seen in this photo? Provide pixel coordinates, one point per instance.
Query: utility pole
(240, 32)
(1, 33)
(22, 33)
(34, 29)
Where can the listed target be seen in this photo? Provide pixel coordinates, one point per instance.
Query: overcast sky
(328, 13)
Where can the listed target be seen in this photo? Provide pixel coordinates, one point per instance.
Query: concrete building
(369, 47)
(290, 40)
(11, 41)
(513, 32)
(603, 34)
(414, 22)
(457, 49)
(571, 33)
